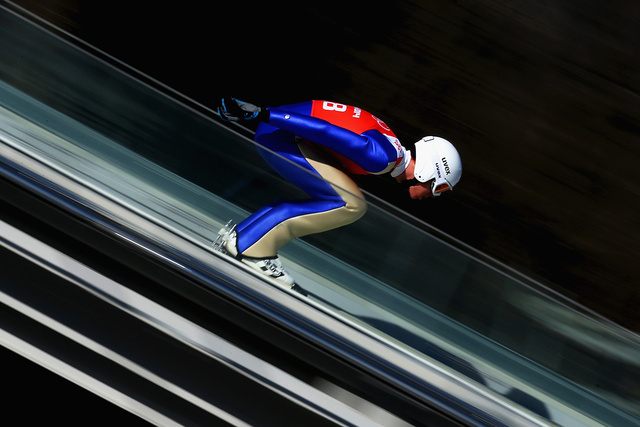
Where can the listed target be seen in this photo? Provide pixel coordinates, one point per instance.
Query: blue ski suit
(316, 145)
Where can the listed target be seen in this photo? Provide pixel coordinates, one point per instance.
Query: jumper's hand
(234, 110)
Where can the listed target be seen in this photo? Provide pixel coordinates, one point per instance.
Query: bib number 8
(333, 106)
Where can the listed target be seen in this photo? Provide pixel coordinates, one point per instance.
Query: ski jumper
(316, 145)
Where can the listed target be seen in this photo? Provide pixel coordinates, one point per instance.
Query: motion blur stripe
(33, 353)
(169, 323)
(78, 377)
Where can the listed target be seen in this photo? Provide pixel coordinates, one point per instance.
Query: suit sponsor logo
(382, 124)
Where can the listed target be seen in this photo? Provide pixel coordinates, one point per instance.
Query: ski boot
(226, 242)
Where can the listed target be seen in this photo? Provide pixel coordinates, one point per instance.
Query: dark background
(540, 98)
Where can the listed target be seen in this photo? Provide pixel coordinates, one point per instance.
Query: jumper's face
(420, 190)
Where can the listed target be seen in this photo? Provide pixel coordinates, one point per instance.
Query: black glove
(234, 110)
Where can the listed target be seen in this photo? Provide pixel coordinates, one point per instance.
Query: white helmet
(437, 158)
